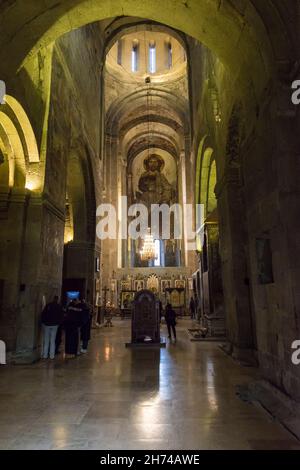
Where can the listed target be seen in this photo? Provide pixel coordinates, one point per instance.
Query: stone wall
(65, 112)
(257, 155)
(74, 149)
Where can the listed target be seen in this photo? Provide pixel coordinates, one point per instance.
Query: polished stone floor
(181, 397)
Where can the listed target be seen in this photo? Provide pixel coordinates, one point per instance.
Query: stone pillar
(41, 272)
(113, 169)
(234, 246)
(13, 219)
(213, 267)
(189, 162)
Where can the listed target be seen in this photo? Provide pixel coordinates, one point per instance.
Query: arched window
(157, 262)
(135, 57)
(120, 52)
(169, 54)
(152, 57)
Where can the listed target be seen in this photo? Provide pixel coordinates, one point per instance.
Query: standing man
(52, 317)
(192, 308)
(85, 330)
(170, 317)
(160, 307)
(72, 324)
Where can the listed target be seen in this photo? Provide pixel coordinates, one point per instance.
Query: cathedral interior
(156, 103)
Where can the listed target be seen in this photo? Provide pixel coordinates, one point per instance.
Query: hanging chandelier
(148, 251)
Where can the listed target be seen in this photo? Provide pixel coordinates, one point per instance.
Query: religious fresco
(139, 284)
(155, 179)
(175, 298)
(180, 284)
(165, 284)
(127, 298)
(125, 285)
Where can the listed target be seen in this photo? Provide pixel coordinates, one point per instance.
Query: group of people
(75, 320)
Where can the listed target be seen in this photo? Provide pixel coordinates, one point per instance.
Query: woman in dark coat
(72, 323)
(170, 317)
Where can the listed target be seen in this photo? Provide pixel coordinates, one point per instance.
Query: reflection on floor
(183, 397)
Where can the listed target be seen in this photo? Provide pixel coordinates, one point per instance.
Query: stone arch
(14, 172)
(79, 250)
(81, 195)
(18, 115)
(76, 196)
(131, 102)
(123, 26)
(203, 171)
(158, 142)
(157, 131)
(18, 146)
(152, 118)
(6, 161)
(238, 36)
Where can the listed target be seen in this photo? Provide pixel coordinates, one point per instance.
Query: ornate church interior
(111, 105)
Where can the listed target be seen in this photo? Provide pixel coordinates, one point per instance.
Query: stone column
(112, 186)
(214, 291)
(41, 272)
(234, 246)
(12, 214)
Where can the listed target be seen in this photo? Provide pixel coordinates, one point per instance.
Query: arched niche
(203, 168)
(14, 173)
(20, 155)
(80, 195)
(18, 115)
(211, 184)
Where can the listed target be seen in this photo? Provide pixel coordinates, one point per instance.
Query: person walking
(85, 330)
(160, 308)
(170, 317)
(72, 323)
(193, 308)
(52, 317)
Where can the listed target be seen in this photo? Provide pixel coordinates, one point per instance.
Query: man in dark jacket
(85, 330)
(170, 317)
(160, 307)
(72, 324)
(52, 317)
(193, 308)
